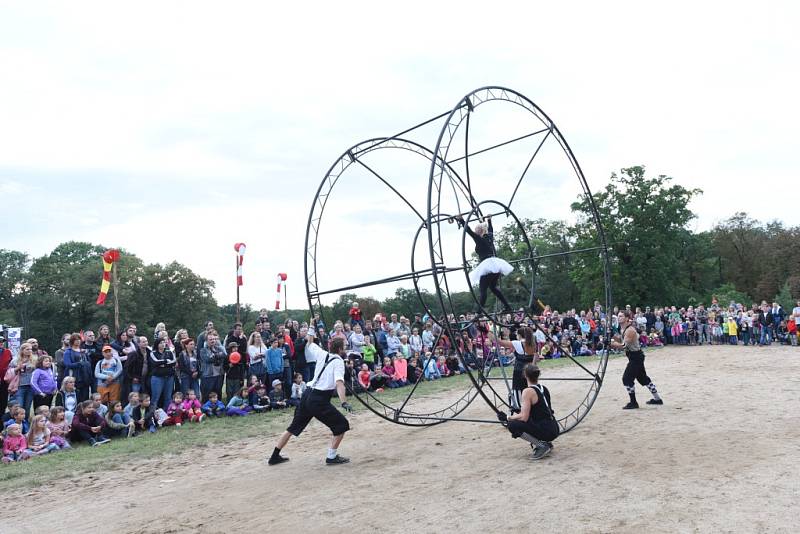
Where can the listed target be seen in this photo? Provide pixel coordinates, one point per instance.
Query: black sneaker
(631, 406)
(337, 460)
(542, 450)
(655, 401)
(275, 460)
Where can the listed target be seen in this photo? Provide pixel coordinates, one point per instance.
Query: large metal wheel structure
(439, 251)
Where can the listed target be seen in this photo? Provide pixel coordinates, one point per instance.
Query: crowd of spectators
(96, 387)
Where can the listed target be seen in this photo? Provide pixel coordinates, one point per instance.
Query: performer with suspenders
(535, 423)
(635, 369)
(316, 401)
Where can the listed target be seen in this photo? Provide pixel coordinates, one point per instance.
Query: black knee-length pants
(635, 370)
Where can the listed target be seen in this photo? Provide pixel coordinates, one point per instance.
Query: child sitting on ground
(298, 387)
(214, 407)
(655, 341)
(441, 364)
(431, 370)
(414, 370)
(238, 403)
(39, 437)
(364, 377)
(15, 446)
(453, 364)
(144, 415)
(276, 397)
(59, 427)
(133, 402)
(119, 423)
(102, 409)
(260, 400)
(192, 410)
(175, 414)
(252, 389)
(18, 418)
(388, 371)
(8, 416)
(87, 424)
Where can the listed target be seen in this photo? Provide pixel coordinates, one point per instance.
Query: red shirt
(355, 313)
(5, 359)
(363, 379)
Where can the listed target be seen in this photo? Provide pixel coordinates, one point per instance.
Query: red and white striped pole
(281, 283)
(240, 249)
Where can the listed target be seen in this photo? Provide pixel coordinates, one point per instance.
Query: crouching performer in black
(535, 423)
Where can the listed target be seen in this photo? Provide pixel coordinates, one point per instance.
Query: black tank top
(541, 411)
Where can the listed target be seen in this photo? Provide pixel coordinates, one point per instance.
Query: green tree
(179, 297)
(646, 227)
(727, 293)
(13, 287)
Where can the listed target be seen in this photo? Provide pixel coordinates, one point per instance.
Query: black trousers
(545, 430)
(488, 283)
(317, 404)
(635, 370)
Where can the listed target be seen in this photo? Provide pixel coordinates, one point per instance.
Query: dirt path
(722, 455)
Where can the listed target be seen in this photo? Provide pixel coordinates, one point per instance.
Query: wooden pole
(285, 305)
(237, 288)
(115, 281)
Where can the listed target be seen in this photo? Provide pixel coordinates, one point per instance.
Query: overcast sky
(177, 129)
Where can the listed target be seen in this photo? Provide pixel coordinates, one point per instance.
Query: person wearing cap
(316, 402)
(277, 399)
(107, 372)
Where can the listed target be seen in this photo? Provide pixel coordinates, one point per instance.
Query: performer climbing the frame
(535, 423)
(316, 401)
(487, 274)
(635, 369)
(525, 352)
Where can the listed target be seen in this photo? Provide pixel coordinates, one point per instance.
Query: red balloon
(235, 358)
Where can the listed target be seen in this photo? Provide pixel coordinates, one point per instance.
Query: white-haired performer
(487, 274)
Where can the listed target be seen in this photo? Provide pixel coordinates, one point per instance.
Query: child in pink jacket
(15, 445)
(192, 407)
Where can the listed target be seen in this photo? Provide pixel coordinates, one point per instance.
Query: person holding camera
(212, 356)
(315, 402)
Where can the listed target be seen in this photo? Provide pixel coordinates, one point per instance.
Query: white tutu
(489, 266)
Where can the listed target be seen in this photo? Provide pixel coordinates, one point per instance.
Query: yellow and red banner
(109, 258)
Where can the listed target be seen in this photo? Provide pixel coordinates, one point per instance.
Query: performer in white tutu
(487, 274)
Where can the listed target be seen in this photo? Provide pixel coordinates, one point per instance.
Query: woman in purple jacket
(43, 383)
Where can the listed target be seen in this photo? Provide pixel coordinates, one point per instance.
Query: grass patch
(121, 452)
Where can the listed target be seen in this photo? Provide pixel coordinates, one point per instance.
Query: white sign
(14, 340)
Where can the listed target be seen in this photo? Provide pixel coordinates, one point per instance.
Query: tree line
(655, 260)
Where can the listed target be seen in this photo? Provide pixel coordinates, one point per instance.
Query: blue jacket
(209, 407)
(274, 361)
(78, 366)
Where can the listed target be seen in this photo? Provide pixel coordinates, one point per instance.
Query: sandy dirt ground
(722, 455)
